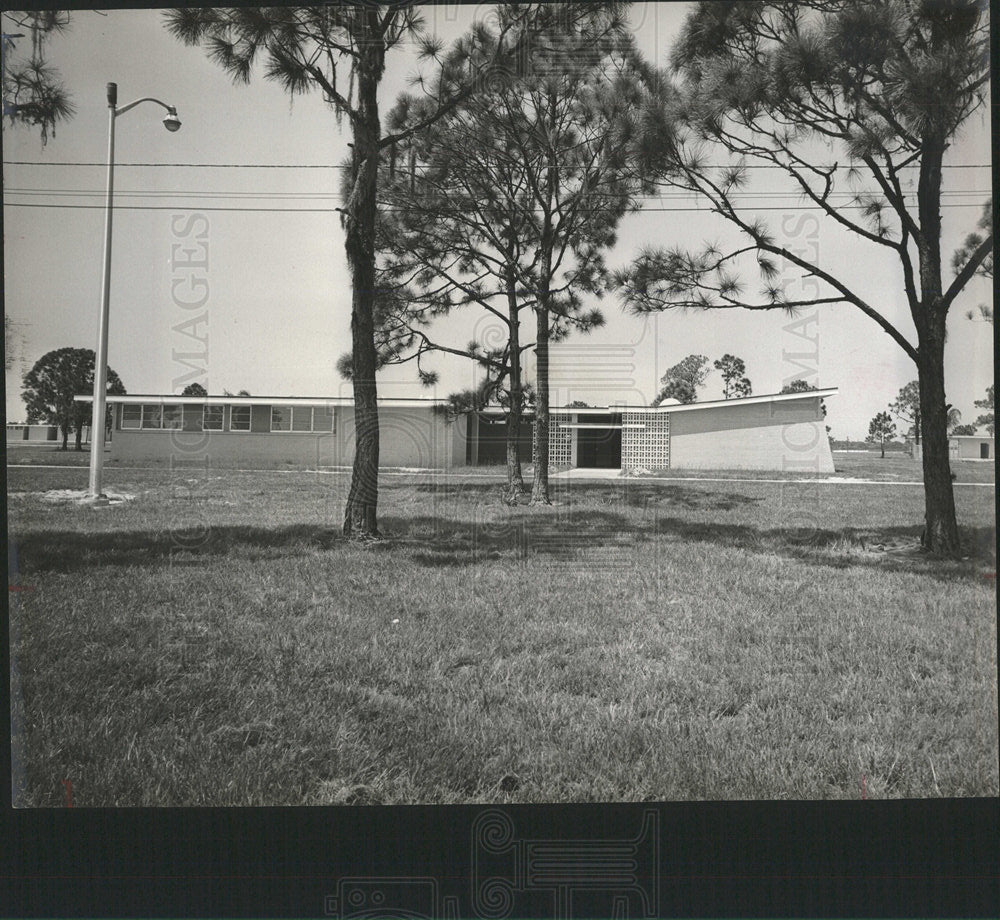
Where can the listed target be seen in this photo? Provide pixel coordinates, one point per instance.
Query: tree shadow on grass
(571, 534)
(583, 535)
(70, 551)
(628, 492)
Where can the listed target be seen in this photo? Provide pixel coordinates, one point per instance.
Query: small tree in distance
(681, 381)
(49, 388)
(194, 389)
(964, 430)
(735, 383)
(881, 429)
(798, 385)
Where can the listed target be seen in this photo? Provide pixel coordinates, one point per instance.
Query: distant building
(21, 431)
(775, 432)
(961, 447)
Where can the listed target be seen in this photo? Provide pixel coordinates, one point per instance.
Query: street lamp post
(171, 123)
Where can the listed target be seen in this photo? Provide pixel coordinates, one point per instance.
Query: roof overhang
(159, 398)
(683, 407)
(399, 402)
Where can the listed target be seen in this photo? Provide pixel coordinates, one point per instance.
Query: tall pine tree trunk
(540, 485)
(361, 512)
(515, 479)
(941, 533)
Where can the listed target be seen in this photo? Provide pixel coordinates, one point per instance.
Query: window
(281, 418)
(131, 416)
(323, 418)
(173, 417)
(301, 418)
(211, 418)
(239, 418)
(152, 417)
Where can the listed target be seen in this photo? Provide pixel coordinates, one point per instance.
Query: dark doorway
(493, 441)
(599, 448)
(984, 451)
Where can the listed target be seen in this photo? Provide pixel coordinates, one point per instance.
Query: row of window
(283, 418)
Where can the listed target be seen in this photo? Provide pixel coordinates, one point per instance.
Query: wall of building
(492, 440)
(409, 437)
(782, 436)
(35, 433)
(964, 448)
(646, 448)
(562, 442)
(225, 449)
(971, 448)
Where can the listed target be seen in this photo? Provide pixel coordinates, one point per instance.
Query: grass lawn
(896, 467)
(215, 642)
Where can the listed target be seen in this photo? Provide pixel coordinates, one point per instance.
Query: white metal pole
(101, 359)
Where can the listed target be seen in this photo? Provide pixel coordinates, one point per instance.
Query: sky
(228, 264)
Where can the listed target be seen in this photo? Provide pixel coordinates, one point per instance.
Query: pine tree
(835, 96)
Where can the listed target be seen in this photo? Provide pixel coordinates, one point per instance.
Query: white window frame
(137, 427)
(143, 426)
(249, 428)
(308, 430)
(163, 416)
(222, 418)
(287, 430)
(312, 420)
(333, 420)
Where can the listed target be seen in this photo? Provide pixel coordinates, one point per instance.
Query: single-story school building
(961, 447)
(774, 432)
(22, 431)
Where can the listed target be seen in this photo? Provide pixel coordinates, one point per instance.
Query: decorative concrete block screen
(646, 448)
(560, 440)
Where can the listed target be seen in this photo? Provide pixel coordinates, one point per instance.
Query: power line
(323, 196)
(185, 165)
(345, 166)
(180, 207)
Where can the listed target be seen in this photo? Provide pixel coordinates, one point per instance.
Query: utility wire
(179, 207)
(326, 196)
(345, 166)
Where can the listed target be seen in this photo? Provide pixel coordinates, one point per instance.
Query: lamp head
(172, 122)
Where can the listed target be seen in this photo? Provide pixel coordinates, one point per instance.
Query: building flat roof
(136, 398)
(403, 402)
(688, 407)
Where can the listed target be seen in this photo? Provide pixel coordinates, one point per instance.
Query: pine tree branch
(967, 271)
